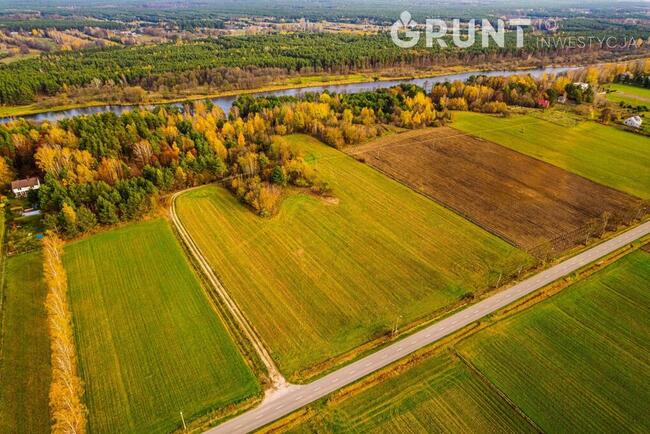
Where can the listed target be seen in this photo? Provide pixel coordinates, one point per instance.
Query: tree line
(104, 168)
(207, 62)
(66, 389)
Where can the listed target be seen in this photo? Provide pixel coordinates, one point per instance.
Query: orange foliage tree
(66, 390)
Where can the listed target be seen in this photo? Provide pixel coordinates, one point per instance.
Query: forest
(333, 10)
(104, 168)
(232, 62)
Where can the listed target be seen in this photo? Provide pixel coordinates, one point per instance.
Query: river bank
(346, 84)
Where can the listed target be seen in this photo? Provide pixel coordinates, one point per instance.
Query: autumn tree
(66, 390)
(6, 173)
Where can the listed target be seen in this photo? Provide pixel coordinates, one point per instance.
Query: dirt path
(278, 382)
(632, 96)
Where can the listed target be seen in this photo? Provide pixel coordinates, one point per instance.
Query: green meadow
(577, 362)
(439, 394)
(150, 345)
(25, 362)
(604, 154)
(634, 95)
(326, 276)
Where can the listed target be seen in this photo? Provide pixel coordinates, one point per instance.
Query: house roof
(23, 183)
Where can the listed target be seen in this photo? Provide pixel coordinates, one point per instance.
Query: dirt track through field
(525, 201)
(278, 382)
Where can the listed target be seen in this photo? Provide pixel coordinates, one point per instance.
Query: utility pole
(395, 326)
(183, 419)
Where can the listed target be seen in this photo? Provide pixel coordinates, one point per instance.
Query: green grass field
(438, 394)
(149, 343)
(322, 277)
(634, 95)
(578, 362)
(604, 154)
(25, 364)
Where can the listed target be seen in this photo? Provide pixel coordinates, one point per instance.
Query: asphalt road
(292, 398)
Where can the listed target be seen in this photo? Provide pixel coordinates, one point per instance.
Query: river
(225, 102)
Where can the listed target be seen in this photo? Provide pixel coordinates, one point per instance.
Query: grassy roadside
(400, 395)
(576, 362)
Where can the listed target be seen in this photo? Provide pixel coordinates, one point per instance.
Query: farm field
(438, 394)
(577, 362)
(325, 276)
(634, 95)
(25, 363)
(604, 154)
(149, 343)
(524, 200)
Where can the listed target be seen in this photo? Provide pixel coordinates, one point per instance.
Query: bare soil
(530, 203)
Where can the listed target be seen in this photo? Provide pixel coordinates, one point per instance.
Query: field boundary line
(460, 133)
(277, 379)
(446, 206)
(483, 379)
(3, 272)
(275, 407)
(422, 138)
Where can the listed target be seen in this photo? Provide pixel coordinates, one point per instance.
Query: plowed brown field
(525, 201)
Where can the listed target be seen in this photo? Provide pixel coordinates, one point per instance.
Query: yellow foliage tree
(66, 390)
(6, 174)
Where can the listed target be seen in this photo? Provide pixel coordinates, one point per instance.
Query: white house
(634, 122)
(581, 85)
(20, 187)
